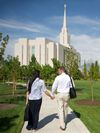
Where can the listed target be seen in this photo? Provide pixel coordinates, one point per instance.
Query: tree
(76, 73)
(56, 64)
(47, 72)
(33, 61)
(92, 71)
(3, 44)
(72, 64)
(4, 73)
(85, 71)
(14, 70)
(24, 72)
(91, 76)
(33, 65)
(96, 70)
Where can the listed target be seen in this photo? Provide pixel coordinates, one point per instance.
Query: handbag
(26, 113)
(72, 91)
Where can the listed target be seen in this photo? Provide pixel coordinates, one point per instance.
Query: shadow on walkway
(47, 120)
(72, 115)
(51, 117)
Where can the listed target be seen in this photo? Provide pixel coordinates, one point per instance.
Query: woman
(36, 87)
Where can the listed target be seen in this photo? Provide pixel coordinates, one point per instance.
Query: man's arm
(55, 85)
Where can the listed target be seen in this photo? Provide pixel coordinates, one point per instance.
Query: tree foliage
(3, 44)
(72, 64)
(85, 72)
(56, 64)
(93, 75)
(96, 69)
(47, 72)
(14, 70)
(33, 65)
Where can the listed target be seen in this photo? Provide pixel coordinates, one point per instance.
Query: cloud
(55, 20)
(27, 26)
(88, 46)
(84, 20)
(94, 24)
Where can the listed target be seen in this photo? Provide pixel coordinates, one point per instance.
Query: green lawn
(11, 120)
(90, 115)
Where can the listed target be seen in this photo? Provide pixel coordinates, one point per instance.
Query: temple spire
(65, 18)
(64, 37)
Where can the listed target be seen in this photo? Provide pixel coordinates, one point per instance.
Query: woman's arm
(46, 91)
(49, 94)
(27, 95)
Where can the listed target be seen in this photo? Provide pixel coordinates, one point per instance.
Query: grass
(90, 115)
(6, 89)
(11, 120)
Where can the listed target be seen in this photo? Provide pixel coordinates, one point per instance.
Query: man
(62, 83)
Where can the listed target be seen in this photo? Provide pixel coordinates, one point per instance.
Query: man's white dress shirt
(62, 83)
(37, 89)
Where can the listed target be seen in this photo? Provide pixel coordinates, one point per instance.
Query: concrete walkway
(49, 121)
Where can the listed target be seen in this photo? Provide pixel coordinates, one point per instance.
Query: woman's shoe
(29, 127)
(34, 129)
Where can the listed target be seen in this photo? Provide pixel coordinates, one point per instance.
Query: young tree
(91, 76)
(14, 70)
(96, 70)
(85, 71)
(92, 71)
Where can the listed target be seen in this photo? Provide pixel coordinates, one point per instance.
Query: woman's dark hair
(35, 74)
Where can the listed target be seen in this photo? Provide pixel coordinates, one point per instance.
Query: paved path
(49, 121)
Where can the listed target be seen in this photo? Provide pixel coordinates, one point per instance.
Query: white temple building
(44, 49)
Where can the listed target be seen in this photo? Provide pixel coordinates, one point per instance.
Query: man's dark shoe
(62, 128)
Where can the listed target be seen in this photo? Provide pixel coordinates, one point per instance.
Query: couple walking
(36, 87)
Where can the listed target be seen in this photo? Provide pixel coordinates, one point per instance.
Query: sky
(44, 18)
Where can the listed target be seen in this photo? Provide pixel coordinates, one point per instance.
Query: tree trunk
(92, 92)
(13, 91)
(14, 85)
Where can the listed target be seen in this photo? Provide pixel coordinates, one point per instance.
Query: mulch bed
(89, 102)
(7, 106)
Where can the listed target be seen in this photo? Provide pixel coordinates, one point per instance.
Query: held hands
(52, 97)
(48, 93)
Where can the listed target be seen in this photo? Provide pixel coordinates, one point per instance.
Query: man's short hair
(62, 68)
